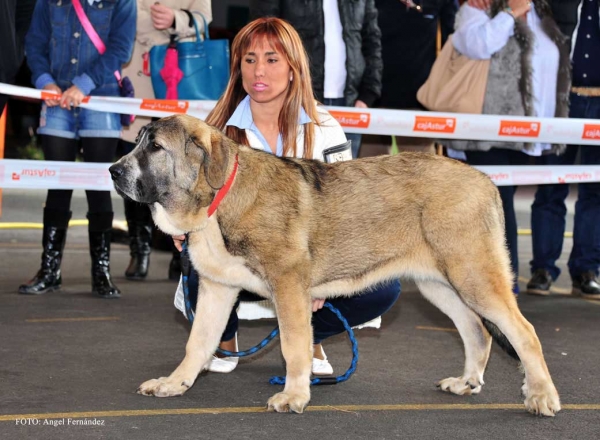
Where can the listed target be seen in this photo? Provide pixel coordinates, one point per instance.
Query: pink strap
(88, 27)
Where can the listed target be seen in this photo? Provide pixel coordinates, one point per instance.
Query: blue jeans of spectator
(354, 137)
(548, 211)
(501, 156)
(357, 309)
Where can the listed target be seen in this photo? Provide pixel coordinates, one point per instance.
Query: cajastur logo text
(519, 128)
(163, 105)
(434, 124)
(352, 119)
(33, 173)
(591, 131)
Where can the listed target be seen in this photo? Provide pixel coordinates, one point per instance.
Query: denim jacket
(59, 50)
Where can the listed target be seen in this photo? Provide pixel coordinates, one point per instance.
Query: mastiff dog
(292, 230)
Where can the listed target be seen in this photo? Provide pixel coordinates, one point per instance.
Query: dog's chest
(212, 260)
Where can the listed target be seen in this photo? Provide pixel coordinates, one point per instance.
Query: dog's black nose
(116, 171)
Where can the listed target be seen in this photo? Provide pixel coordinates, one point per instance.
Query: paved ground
(70, 363)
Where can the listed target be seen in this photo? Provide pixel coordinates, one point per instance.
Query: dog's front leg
(215, 302)
(292, 303)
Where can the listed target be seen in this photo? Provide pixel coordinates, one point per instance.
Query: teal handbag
(205, 67)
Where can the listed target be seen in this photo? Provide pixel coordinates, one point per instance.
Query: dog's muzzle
(116, 171)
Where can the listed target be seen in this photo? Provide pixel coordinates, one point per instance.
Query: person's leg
(100, 216)
(57, 214)
(548, 223)
(499, 156)
(584, 260)
(139, 229)
(356, 309)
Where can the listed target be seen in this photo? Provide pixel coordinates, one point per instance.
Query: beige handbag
(456, 83)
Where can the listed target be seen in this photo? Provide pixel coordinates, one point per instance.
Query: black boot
(99, 233)
(48, 277)
(139, 225)
(175, 265)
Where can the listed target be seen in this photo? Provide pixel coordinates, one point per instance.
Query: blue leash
(275, 380)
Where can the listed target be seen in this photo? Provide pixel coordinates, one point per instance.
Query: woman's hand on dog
(178, 241)
(317, 304)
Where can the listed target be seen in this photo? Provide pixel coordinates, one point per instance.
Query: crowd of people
(288, 63)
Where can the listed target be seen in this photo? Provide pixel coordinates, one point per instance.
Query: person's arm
(182, 26)
(370, 86)
(447, 16)
(478, 36)
(329, 133)
(118, 48)
(265, 8)
(37, 46)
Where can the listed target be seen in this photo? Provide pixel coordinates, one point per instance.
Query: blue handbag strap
(193, 20)
(206, 36)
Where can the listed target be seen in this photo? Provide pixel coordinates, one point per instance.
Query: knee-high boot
(48, 278)
(99, 230)
(139, 225)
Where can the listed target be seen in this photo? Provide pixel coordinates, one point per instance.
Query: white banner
(37, 174)
(377, 121)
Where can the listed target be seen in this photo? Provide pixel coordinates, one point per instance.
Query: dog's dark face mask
(171, 166)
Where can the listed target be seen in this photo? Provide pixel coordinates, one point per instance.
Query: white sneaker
(225, 364)
(222, 365)
(321, 367)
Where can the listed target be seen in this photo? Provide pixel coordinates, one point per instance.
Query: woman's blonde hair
(285, 40)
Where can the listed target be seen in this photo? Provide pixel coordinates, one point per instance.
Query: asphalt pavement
(70, 363)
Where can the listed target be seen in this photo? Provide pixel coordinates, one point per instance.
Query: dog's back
(410, 207)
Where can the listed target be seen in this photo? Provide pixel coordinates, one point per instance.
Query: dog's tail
(500, 338)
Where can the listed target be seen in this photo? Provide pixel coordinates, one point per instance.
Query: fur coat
(509, 89)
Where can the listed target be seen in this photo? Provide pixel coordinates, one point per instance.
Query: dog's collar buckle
(224, 189)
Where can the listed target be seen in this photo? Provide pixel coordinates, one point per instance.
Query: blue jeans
(79, 122)
(357, 309)
(356, 138)
(548, 210)
(501, 156)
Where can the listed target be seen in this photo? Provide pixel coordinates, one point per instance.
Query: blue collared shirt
(242, 119)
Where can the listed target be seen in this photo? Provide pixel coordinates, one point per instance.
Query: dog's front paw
(461, 385)
(288, 402)
(164, 387)
(542, 401)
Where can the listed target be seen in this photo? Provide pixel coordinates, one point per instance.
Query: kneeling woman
(269, 105)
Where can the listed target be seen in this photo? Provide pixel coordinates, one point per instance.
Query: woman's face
(265, 73)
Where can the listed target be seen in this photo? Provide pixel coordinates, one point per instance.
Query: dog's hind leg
(215, 302)
(477, 341)
(490, 295)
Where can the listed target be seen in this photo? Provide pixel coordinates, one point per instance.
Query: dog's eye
(156, 146)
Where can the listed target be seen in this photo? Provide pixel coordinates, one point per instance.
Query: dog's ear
(216, 157)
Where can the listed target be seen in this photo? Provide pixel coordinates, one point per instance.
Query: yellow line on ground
(528, 232)
(119, 224)
(261, 409)
(437, 329)
(95, 318)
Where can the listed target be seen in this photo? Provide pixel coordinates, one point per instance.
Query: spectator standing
(529, 75)
(579, 20)
(156, 24)
(343, 42)
(409, 33)
(63, 59)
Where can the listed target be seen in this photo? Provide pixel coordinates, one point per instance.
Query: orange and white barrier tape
(37, 174)
(71, 175)
(376, 121)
